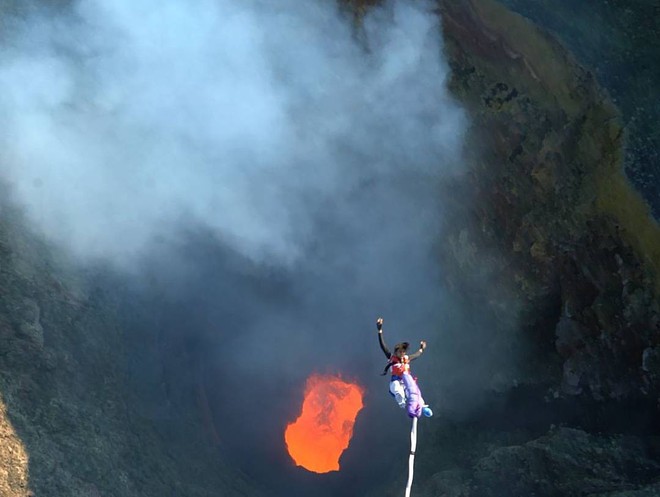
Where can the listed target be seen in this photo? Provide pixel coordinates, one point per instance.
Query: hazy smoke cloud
(129, 119)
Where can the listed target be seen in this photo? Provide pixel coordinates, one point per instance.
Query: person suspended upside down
(403, 386)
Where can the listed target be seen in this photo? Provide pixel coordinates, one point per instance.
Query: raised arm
(381, 341)
(422, 346)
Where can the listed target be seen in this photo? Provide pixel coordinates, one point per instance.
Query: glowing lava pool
(322, 432)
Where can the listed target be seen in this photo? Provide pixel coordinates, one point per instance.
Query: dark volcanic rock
(71, 423)
(564, 462)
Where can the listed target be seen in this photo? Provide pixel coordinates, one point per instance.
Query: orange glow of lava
(317, 439)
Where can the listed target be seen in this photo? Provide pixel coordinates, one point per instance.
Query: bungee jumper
(403, 386)
(404, 389)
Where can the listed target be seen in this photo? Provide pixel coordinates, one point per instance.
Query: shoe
(426, 411)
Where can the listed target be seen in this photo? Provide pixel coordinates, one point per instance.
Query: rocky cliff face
(564, 234)
(574, 241)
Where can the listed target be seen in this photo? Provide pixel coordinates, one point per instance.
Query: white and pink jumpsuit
(403, 386)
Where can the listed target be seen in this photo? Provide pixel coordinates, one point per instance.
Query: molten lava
(324, 428)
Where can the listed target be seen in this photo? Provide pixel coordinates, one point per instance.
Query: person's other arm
(422, 346)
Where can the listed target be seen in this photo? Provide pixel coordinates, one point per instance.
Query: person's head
(400, 349)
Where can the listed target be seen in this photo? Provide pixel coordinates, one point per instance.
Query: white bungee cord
(411, 458)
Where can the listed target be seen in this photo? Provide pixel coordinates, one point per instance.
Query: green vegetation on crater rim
(539, 70)
(619, 40)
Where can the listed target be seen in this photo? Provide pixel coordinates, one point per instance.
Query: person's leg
(398, 392)
(415, 402)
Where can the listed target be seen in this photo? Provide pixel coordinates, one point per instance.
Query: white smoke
(125, 120)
